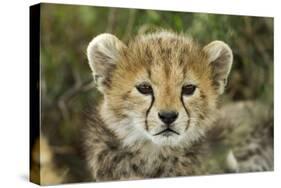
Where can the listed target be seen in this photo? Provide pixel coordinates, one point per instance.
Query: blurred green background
(66, 80)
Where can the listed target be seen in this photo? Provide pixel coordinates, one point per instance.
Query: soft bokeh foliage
(66, 80)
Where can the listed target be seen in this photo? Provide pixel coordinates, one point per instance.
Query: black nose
(168, 117)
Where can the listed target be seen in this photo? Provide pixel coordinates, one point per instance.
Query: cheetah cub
(160, 93)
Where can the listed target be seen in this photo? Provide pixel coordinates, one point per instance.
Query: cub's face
(168, 106)
(161, 88)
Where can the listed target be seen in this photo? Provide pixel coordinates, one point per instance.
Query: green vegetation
(66, 80)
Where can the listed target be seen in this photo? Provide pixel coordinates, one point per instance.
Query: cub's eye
(145, 89)
(188, 89)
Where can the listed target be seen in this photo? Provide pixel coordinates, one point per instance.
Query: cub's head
(160, 88)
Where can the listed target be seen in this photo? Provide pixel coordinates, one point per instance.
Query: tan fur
(120, 140)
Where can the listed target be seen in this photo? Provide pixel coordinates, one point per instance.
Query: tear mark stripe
(148, 110)
(187, 112)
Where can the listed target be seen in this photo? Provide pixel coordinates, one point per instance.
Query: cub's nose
(168, 117)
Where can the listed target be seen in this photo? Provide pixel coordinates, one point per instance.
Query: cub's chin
(167, 138)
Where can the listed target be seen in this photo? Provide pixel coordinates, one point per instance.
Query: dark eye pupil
(188, 89)
(144, 89)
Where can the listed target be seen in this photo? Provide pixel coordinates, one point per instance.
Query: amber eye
(188, 89)
(145, 89)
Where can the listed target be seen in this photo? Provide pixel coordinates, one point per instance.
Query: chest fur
(122, 163)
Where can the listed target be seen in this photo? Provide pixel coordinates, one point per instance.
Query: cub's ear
(103, 53)
(220, 58)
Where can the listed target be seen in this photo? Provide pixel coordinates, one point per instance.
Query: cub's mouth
(166, 132)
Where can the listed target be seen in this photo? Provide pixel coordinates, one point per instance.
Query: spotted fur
(120, 138)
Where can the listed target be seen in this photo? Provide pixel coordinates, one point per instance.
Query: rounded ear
(220, 58)
(103, 52)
